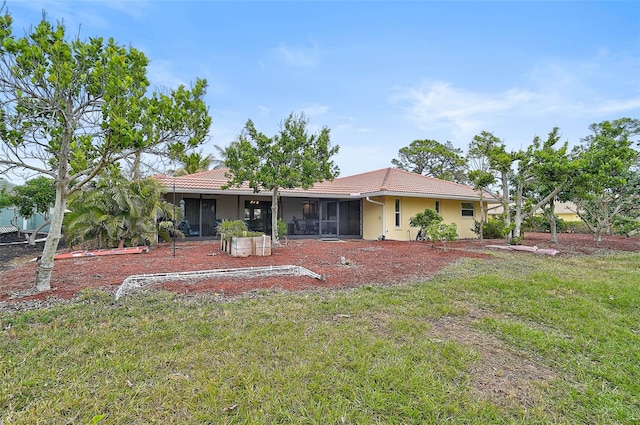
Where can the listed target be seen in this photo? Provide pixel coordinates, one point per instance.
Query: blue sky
(382, 74)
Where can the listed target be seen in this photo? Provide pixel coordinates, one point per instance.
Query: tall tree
(481, 180)
(292, 158)
(544, 171)
(432, 158)
(605, 159)
(488, 155)
(71, 107)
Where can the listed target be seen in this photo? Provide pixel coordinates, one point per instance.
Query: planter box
(241, 247)
(261, 246)
(225, 244)
(246, 246)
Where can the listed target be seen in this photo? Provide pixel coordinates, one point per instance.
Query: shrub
(228, 229)
(627, 226)
(495, 229)
(442, 232)
(424, 219)
(282, 228)
(538, 223)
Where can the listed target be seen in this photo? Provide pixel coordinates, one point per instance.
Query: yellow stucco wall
(450, 210)
(230, 207)
(570, 216)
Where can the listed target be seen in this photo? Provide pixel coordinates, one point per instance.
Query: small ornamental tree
(36, 196)
(290, 159)
(431, 226)
(481, 180)
(69, 108)
(425, 218)
(442, 232)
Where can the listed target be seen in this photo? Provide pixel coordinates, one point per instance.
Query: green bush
(424, 219)
(442, 232)
(538, 223)
(494, 229)
(577, 227)
(627, 226)
(228, 229)
(282, 228)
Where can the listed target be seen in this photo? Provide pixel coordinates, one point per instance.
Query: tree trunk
(597, 235)
(552, 221)
(274, 217)
(136, 175)
(518, 216)
(506, 203)
(45, 265)
(32, 237)
(482, 216)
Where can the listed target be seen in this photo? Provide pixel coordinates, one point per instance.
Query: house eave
(426, 195)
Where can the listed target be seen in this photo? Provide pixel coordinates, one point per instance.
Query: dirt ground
(343, 264)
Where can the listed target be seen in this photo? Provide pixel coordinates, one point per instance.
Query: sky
(381, 74)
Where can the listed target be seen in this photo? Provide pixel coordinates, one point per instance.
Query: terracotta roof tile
(386, 181)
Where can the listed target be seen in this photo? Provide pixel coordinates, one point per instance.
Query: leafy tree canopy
(292, 158)
(35, 196)
(425, 218)
(432, 158)
(606, 187)
(71, 107)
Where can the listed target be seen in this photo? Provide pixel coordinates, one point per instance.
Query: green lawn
(442, 351)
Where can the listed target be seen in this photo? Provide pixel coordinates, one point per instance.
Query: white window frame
(397, 209)
(464, 206)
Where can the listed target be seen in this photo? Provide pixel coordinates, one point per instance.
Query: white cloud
(570, 95)
(441, 106)
(86, 14)
(312, 110)
(617, 106)
(298, 56)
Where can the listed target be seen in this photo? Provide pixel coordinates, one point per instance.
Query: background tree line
(600, 175)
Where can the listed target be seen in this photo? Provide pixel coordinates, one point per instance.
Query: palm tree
(219, 162)
(195, 162)
(116, 212)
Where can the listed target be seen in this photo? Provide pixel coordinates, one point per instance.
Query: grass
(374, 355)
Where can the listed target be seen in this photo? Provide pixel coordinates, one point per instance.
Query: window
(309, 209)
(397, 212)
(438, 207)
(467, 209)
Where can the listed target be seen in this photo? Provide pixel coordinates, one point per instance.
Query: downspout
(384, 215)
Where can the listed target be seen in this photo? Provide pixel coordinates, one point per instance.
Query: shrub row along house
(368, 205)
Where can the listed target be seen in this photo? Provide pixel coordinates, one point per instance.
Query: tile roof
(386, 181)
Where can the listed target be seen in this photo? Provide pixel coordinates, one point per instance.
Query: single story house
(367, 206)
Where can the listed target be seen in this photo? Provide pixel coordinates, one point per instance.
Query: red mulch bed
(369, 262)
